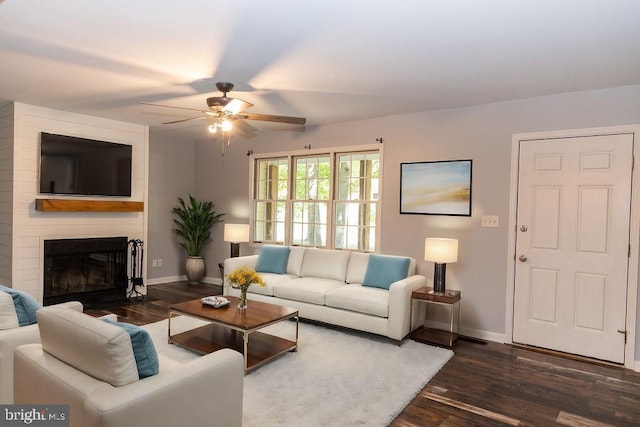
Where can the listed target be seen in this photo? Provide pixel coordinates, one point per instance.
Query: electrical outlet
(154, 263)
(159, 262)
(490, 221)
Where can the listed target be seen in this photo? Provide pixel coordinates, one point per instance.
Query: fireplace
(92, 271)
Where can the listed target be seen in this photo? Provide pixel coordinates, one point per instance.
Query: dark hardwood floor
(484, 384)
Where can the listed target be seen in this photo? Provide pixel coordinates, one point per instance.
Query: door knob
(522, 258)
(523, 228)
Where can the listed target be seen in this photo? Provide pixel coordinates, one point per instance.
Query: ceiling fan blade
(244, 126)
(171, 106)
(272, 118)
(185, 120)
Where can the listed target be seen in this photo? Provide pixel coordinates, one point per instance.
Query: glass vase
(242, 301)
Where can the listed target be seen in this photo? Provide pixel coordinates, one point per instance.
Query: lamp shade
(440, 251)
(236, 233)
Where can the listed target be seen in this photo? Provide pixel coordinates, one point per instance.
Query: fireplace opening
(92, 271)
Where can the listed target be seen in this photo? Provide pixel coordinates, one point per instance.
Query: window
(270, 199)
(311, 201)
(321, 200)
(355, 207)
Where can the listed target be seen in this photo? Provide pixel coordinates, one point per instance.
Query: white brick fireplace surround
(23, 229)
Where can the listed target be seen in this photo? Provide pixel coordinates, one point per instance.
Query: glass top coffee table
(236, 329)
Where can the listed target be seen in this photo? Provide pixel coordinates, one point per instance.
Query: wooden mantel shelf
(75, 205)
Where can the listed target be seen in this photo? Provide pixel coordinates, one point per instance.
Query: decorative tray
(215, 301)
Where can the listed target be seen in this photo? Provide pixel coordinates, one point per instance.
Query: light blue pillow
(26, 306)
(143, 349)
(383, 270)
(273, 259)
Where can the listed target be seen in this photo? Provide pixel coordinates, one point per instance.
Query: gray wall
(482, 133)
(171, 175)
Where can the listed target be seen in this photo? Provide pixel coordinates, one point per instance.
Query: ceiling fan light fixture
(226, 126)
(213, 128)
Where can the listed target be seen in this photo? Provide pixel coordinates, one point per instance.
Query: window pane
(358, 176)
(271, 179)
(309, 226)
(355, 226)
(313, 178)
(269, 222)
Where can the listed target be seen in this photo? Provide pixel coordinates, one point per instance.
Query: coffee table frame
(236, 329)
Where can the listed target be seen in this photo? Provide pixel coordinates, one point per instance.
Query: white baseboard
(636, 365)
(473, 333)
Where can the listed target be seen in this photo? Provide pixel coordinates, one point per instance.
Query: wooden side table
(436, 336)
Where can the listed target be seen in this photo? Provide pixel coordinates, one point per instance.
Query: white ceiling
(328, 61)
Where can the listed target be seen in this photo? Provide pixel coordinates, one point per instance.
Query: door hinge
(629, 251)
(625, 335)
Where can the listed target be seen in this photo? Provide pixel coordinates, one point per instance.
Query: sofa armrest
(400, 305)
(206, 391)
(10, 339)
(232, 264)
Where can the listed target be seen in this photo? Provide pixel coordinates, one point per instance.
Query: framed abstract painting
(436, 188)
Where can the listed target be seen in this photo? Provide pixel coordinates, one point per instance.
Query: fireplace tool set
(136, 252)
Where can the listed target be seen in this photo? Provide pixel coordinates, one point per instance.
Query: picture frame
(436, 187)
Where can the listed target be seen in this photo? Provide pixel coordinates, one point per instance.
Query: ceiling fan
(226, 112)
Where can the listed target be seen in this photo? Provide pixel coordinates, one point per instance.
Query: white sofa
(89, 365)
(10, 339)
(326, 286)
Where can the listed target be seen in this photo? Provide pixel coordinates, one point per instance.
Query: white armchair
(81, 358)
(10, 339)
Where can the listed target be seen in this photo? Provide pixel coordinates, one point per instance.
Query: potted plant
(193, 226)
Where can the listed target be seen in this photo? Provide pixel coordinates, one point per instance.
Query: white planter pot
(195, 269)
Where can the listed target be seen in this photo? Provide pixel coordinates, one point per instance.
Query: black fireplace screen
(91, 271)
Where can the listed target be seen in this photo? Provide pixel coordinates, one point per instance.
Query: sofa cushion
(358, 262)
(269, 279)
(383, 270)
(296, 255)
(143, 349)
(306, 289)
(8, 316)
(272, 259)
(363, 299)
(325, 263)
(24, 304)
(97, 348)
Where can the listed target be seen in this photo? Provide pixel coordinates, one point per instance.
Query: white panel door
(574, 198)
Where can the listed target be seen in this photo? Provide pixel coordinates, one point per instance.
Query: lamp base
(235, 250)
(439, 273)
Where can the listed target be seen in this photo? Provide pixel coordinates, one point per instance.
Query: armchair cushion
(143, 349)
(97, 348)
(8, 316)
(383, 270)
(25, 306)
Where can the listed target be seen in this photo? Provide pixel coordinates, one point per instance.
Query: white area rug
(336, 378)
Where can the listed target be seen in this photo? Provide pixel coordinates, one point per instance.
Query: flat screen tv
(79, 166)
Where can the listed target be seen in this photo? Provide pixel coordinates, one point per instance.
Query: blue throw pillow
(26, 306)
(383, 270)
(143, 349)
(273, 259)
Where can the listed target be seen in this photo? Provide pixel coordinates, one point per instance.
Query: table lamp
(236, 234)
(440, 251)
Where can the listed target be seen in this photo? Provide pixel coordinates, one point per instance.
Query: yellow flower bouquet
(241, 279)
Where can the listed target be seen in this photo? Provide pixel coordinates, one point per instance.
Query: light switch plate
(490, 220)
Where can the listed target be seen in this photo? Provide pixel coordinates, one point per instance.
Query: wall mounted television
(79, 166)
